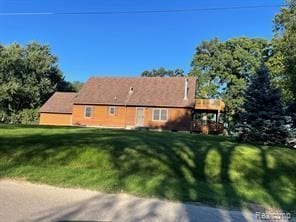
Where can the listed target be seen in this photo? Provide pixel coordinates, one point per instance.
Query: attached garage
(58, 109)
(62, 119)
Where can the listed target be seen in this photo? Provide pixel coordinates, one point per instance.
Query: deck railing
(209, 104)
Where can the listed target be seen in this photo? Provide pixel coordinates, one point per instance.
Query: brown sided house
(152, 102)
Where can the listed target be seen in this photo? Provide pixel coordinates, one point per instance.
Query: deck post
(217, 116)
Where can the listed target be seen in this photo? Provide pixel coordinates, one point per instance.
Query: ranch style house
(145, 102)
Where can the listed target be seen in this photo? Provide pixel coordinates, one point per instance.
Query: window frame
(109, 110)
(160, 111)
(91, 112)
(167, 115)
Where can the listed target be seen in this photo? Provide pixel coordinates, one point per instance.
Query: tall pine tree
(263, 119)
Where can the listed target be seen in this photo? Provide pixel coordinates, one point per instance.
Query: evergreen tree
(263, 118)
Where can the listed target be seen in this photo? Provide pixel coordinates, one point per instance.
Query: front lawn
(176, 166)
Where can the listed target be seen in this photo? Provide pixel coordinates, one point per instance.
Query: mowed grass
(176, 166)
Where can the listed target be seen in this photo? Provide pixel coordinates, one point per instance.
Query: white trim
(167, 115)
(71, 120)
(137, 115)
(160, 110)
(153, 109)
(91, 112)
(109, 108)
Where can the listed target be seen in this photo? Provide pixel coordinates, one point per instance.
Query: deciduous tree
(162, 72)
(28, 76)
(225, 68)
(285, 39)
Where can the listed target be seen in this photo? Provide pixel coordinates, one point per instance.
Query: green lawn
(176, 166)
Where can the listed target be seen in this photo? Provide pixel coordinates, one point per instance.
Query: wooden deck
(209, 104)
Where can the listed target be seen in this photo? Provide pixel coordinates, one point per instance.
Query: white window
(87, 111)
(112, 110)
(163, 114)
(156, 114)
(160, 115)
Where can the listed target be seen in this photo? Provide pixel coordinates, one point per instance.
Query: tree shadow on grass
(110, 207)
(175, 166)
(277, 180)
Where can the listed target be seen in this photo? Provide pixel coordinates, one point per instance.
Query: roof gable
(59, 102)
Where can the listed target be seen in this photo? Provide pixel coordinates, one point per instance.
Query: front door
(140, 117)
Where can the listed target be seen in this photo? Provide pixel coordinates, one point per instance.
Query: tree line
(255, 77)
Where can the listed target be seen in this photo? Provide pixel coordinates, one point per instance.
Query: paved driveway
(23, 201)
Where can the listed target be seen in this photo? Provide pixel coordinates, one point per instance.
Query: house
(58, 109)
(150, 102)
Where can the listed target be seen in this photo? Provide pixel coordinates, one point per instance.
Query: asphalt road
(23, 201)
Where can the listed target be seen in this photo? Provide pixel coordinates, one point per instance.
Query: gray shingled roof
(59, 102)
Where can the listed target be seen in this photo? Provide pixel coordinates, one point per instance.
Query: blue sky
(127, 44)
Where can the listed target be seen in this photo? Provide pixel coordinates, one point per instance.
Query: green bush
(28, 116)
(25, 116)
